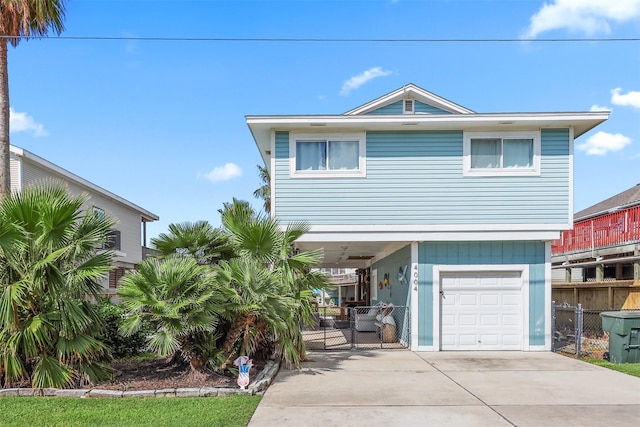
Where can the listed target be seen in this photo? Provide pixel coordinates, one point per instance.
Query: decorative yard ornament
(402, 275)
(244, 365)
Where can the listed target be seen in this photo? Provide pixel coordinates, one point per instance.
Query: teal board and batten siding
(416, 178)
(482, 253)
(418, 107)
(396, 292)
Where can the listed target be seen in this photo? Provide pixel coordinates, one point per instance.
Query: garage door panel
(466, 300)
(512, 320)
(512, 299)
(490, 300)
(481, 311)
(468, 320)
(489, 320)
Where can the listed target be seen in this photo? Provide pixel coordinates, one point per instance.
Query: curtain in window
(311, 155)
(517, 153)
(485, 153)
(344, 155)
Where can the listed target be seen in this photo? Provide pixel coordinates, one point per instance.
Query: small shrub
(121, 347)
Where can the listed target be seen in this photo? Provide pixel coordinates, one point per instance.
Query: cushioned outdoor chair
(365, 321)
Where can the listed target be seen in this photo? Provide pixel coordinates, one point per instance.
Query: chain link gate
(341, 328)
(578, 331)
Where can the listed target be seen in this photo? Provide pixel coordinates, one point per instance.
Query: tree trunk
(232, 337)
(5, 162)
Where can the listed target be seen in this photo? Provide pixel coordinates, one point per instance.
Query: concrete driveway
(403, 388)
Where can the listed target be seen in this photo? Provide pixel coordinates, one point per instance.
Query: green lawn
(157, 412)
(627, 368)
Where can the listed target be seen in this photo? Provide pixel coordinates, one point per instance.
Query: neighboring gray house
(128, 239)
(442, 209)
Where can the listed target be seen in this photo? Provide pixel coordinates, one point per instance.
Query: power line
(330, 40)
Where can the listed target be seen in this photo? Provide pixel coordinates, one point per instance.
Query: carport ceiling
(351, 254)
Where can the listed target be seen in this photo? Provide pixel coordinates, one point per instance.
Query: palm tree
(181, 300)
(264, 192)
(18, 19)
(200, 240)
(259, 242)
(49, 271)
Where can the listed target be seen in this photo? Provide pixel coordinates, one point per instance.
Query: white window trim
(466, 151)
(346, 136)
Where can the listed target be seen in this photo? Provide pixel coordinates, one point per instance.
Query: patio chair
(366, 321)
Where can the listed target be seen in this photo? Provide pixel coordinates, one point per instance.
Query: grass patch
(627, 368)
(157, 412)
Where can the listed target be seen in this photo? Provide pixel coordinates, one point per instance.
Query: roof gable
(410, 91)
(627, 198)
(66, 175)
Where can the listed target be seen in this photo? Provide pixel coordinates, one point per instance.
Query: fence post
(324, 329)
(579, 329)
(352, 325)
(553, 326)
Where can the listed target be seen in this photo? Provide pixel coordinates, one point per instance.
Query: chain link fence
(578, 331)
(343, 328)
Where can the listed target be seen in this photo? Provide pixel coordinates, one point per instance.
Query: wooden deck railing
(604, 231)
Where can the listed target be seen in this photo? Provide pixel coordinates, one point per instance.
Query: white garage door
(481, 311)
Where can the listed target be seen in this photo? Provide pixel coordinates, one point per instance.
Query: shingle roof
(625, 199)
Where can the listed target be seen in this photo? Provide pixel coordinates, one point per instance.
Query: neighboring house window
(315, 155)
(113, 241)
(501, 153)
(98, 212)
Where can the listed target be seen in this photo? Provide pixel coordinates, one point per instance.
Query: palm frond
(50, 372)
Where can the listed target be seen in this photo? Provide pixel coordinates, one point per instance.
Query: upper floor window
(501, 153)
(315, 155)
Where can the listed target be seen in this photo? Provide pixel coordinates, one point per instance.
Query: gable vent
(408, 106)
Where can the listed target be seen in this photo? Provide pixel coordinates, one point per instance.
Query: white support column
(414, 280)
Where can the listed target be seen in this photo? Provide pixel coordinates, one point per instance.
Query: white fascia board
(384, 228)
(450, 236)
(148, 216)
(581, 122)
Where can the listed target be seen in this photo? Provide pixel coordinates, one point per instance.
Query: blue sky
(161, 123)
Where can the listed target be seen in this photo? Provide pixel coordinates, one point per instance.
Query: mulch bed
(161, 374)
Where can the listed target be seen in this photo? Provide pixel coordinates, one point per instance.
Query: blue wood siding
(397, 293)
(418, 107)
(421, 107)
(482, 253)
(416, 178)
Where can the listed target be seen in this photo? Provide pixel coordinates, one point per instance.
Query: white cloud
(223, 173)
(22, 122)
(597, 107)
(582, 16)
(629, 99)
(602, 143)
(358, 80)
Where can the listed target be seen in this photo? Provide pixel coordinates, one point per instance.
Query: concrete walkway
(403, 388)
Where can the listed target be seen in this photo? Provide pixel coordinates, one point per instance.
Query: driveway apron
(404, 388)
